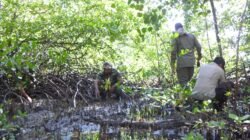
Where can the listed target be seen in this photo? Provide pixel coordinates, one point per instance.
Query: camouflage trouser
(117, 93)
(220, 98)
(184, 75)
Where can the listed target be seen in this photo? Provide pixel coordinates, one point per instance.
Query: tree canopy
(59, 36)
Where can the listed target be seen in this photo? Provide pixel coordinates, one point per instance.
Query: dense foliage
(62, 36)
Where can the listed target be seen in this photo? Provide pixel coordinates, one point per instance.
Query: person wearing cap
(211, 84)
(108, 82)
(184, 46)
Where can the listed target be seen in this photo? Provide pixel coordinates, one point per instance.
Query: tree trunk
(208, 42)
(158, 61)
(238, 45)
(216, 27)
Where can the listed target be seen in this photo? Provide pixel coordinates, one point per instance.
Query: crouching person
(211, 84)
(108, 83)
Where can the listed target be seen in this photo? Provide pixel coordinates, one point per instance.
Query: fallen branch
(165, 124)
(14, 93)
(77, 91)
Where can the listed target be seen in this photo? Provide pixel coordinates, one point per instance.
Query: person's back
(186, 46)
(210, 75)
(211, 84)
(183, 52)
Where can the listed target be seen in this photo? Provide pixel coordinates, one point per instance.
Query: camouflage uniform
(107, 81)
(183, 51)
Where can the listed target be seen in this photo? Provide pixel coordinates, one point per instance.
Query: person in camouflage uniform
(108, 82)
(183, 51)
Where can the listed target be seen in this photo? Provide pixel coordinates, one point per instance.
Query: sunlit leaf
(245, 117)
(228, 94)
(233, 116)
(144, 30)
(113, 5)
(150, 29)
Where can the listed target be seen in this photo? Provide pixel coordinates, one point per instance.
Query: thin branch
(154, 125)
(238, 44)
(208, 42)
(77, 91)
(216, 27)
(158, 60)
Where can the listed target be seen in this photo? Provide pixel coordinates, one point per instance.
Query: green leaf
(244, 117)
(233, 116)
(246, 121)
(13, 69)
(139, 7)
(129, 1)
(144, 30)
(219, 124)
(139, 14)
(150, 29)
(146, 19)
(113, 5)
(228, 94)
(154, 19)
(174, 35)
(164, 11)
(124, 31)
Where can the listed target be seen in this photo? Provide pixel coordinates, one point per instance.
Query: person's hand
(198, 60)
(198, 63)
(199, 57)
(112, 89)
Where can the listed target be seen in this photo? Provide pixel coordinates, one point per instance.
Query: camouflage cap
(178, 25)
(107, 65)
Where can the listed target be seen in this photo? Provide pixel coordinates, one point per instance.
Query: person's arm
(118, 83)
(173, 54)
(222, 77)
(198, 48)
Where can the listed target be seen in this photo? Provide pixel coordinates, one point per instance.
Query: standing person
(183, 51)
(211, 84)
(108, 82)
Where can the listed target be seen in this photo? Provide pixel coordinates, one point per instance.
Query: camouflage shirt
(183, 50)
(113, 77)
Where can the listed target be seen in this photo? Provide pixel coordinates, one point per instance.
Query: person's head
(220, 61)
(179, 28)
(107, 68)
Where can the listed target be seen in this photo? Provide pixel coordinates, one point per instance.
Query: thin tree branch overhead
(216, 27)
(238, 42)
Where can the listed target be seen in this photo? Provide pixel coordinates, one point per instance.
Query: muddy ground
(64, 108)
(140, 118)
